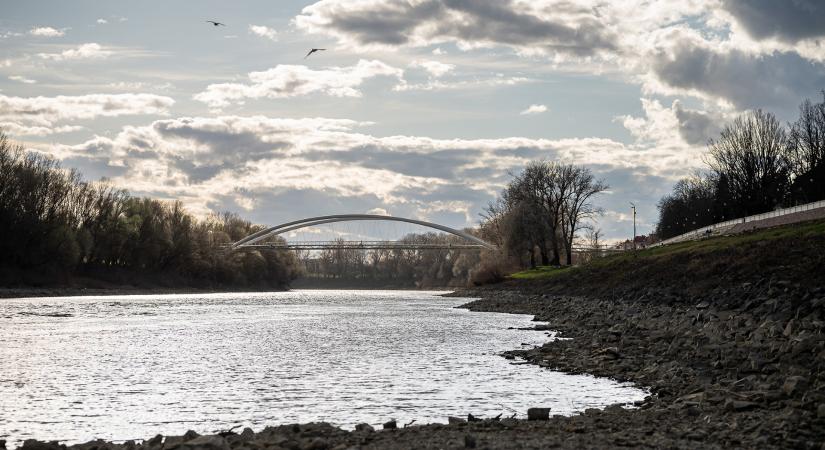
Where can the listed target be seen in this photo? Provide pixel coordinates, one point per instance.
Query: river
(129, 367)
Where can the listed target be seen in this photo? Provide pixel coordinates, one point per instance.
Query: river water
(129, 367)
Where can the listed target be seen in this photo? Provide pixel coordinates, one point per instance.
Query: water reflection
(130, 367)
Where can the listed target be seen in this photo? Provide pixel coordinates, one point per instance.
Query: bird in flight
(313, 51)
(216, 23)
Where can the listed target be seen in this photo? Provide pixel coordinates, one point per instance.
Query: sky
(419, 108)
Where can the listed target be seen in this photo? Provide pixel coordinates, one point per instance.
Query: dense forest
(58, 229)
(756, 165)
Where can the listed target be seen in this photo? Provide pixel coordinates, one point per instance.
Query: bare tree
(807, 152)
(576, 205)
(751, 157)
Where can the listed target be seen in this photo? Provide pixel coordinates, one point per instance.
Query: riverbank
(728, 334)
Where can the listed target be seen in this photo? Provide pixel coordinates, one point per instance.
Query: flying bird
(313, 51)
(216, 23)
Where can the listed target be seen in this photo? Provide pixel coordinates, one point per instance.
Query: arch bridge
(256, 240)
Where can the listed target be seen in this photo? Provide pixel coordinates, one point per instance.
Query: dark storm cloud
(779, 80)
(788, 20)
(577, 31)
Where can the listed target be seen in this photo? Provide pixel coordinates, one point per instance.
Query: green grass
(619, 263)
(539, 273)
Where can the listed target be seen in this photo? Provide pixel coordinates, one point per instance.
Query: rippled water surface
(130, 367)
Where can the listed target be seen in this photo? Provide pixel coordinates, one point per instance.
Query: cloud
(284, 167)
(378, 212)
(285, 81)
(434, 68)
(15, 129)
(22, 79)
(693, 66)
(457, 83)
(102, 21)
(697, 127)
(534, 109)
(789, 21)
(85, 51)
(542, 26)
(264, 32)
(46, 32)
(43, 115)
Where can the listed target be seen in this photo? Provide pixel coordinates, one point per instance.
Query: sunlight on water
(130, 367)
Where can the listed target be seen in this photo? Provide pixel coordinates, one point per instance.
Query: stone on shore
(391, 425)
(364, 427)
(538, 414)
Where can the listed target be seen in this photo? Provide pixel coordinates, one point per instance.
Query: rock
(455, 420)
(364, 427)
(316, 444)
(794, 385)
(472, 418)
(2, 444)
(208, 443)
(155, 441)
(34, 444)
(703, 305)
(609, 353)
(247, 434)
(391, 425)
(469, 441)
(789, 328)
(538, 414)
(542, 327)
(739, 405)
(820, 412)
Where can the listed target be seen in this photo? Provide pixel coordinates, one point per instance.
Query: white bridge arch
(254, 240)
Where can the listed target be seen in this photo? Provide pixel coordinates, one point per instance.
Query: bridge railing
(362, 245)
(721, 226)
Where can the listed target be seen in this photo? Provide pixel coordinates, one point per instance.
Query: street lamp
(634, 225)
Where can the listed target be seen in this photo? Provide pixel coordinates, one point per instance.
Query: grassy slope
(793, 253)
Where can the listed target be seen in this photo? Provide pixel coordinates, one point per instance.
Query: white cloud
(434, 68)
(534, 109)
(43, 115)
(22, 79)
(229, 162)
(102, 21)
(378, 212)
(264, 32)
(467, 83)
(85, 51)
(292, 80)
(46, 32)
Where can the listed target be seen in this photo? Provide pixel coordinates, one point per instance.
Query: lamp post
(634, 225)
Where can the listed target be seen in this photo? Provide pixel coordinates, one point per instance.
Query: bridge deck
(361, 245)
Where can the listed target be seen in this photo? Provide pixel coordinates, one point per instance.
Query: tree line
(540, 214)
(397, 267)
(56, 228)
(756, 165)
